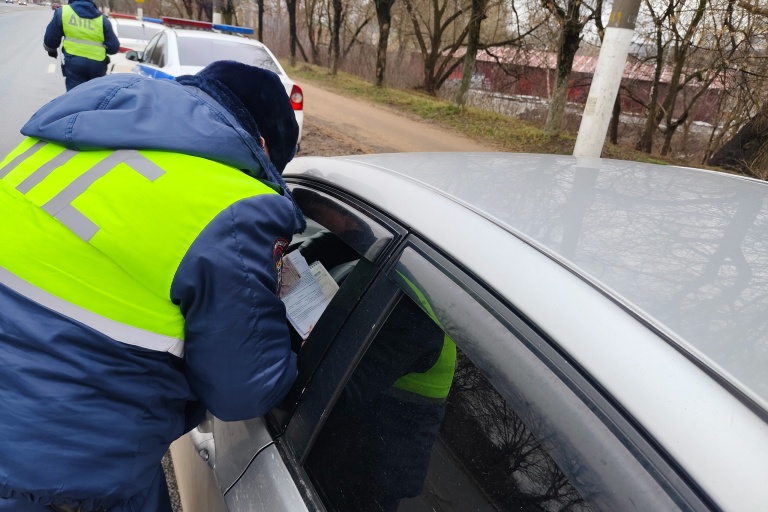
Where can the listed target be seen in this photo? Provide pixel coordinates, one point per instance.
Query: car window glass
(143, 32)
(396, 423)
(433, 419)
(150, 48)
(158, 53)
(200, 51)
(360, 231)
(339, 238)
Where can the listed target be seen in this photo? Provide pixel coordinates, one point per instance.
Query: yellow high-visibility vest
(435, 383)
(99, 235)
(83, 37)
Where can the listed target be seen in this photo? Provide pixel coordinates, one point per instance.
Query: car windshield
(144, 32)
(198, 51)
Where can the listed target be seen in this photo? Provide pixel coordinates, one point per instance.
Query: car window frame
(311, 198)
(160, 49)
(149, 48)
(332, 373)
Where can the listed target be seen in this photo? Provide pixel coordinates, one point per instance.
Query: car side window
(147, 53)
(157, 55)
(349, 243)
(418, 426)
(448, 410)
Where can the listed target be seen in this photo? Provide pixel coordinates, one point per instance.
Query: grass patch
(502, 132)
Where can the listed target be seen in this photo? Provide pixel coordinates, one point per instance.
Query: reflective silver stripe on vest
(20, 158)
(46, 169)
(83, 41)
(115, 330)
(60, 205)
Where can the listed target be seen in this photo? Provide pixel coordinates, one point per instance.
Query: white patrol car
(177, 51)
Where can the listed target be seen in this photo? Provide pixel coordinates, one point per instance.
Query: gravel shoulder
(359, 126)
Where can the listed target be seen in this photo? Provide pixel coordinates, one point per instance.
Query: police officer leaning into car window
(88, 39)
(139, 280)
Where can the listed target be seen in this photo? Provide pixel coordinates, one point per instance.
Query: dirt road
(337, 125)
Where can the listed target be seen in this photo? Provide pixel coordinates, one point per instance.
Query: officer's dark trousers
(154, 499)
(78, 70)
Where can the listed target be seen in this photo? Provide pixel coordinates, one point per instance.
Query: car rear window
(133, 32)
(199, 51)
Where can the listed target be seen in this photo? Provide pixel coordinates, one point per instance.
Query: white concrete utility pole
(607, 78)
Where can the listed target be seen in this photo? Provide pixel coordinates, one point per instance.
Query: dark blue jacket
(54, 33)
(86, 419)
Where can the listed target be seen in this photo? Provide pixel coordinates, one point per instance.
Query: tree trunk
(613, 127)
(228, 13)
(384, 17)
(473, 39)
(746, 151)
(291, 4)
(335, 35)
(260, 32)
(570, 39)
(189, 7)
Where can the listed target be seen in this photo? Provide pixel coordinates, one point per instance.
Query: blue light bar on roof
(232, 28)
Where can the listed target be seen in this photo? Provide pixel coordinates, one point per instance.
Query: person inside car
(139, 280)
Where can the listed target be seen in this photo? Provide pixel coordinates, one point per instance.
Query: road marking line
(51, 68)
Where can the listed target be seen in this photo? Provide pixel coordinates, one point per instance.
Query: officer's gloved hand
(53, 53)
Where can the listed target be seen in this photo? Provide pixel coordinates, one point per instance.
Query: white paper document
(306, 292)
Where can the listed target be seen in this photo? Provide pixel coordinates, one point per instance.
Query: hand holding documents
(306, 291)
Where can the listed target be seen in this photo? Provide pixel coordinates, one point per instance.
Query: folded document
(306, 291)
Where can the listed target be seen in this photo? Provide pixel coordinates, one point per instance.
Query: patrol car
(610, 321)
(184, 51)
(134, 34)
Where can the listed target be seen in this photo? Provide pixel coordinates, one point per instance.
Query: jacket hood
(125, 111)
(85, 8)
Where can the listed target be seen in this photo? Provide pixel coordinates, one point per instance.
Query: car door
(521, 428)
(217, 460)
(155, 57)
(420, 390)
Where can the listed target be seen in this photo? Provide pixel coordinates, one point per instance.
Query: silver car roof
(684, 249)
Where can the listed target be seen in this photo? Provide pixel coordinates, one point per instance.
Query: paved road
(29, 78)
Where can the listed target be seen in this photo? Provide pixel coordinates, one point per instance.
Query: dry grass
(504, 132)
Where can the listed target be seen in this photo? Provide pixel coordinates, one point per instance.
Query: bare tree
(316, 19)
(292, 37)
(228, 14)
(384, 18)
(747, 150)
(572, 18)
(260, 28)
(675, 26)
(473, 40)
(337, 19)
(439, 32)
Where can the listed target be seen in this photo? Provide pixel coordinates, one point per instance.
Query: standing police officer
(139, 280)
(88, 38)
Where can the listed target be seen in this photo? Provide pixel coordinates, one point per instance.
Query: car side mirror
(134, 55)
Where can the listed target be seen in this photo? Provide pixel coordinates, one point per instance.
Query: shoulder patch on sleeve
(277, 256)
